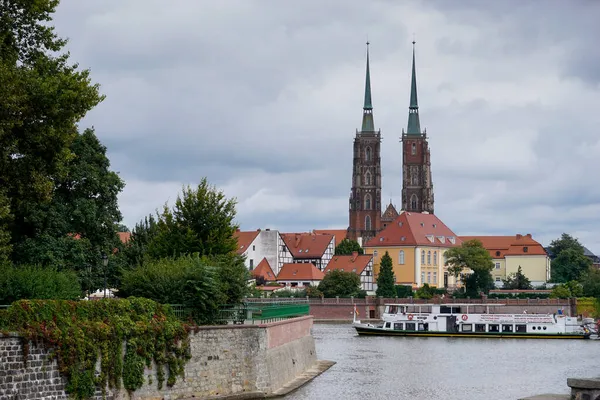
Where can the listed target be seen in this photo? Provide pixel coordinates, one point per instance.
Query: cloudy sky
(264, 97)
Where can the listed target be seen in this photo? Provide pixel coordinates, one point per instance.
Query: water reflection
(444, 368)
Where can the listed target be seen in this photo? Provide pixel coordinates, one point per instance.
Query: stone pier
(581, 389)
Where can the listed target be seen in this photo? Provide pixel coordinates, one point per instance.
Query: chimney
(238, 230)
(354, 255)
(258, 230)
(528, 235)
(519, 236)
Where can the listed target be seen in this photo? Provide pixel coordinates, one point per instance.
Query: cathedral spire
(414, 126)
(367, 121)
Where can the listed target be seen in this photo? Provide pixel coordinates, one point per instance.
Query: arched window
(414, 149)
(367, 201)
(414, 200)
(429, 258)
(423, 257)
(367, 223)
(368, 178)
(401, 257)
(368, 154)
(435, 258)
(445, 258)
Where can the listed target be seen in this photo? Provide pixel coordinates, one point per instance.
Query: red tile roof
(501, 246)
(245, 239)
(415, 229)
(264, 269)
(124, 236)
(300, 272)
(306, 245)
(340, 234)
(350, 263)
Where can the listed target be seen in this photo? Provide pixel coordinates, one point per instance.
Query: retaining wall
(226, 360)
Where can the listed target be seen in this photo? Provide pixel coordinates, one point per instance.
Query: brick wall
(225, 360)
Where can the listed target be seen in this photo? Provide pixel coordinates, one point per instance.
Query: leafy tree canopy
(471, 255)
(569, 262)
(347, 247)
(517, 281)
(591, 283)
(201, 221)
(386, 280)
(340, 283)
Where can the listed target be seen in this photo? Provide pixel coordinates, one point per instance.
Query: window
(445, 258)
(429, 277)
(374, 253)
(498, 279)
(414, 149)
(368, 273)
(423, 257)
(494, 328)
(251, 264)
(525, 249)
(368, 202)
(497, 265)
(497, 254)
(368, 178)
(507, 328)
(422, 277)
(253, 247)
(413, 202)
(410, 326)
(521, 328)
(467, 327)
(435, 277)
(479, 327)
(435, 258)
(398, 326)
(401, 257)
(367, 223)
(429, 257)
(368, 155)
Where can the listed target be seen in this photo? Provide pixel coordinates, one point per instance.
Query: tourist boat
(457, 320)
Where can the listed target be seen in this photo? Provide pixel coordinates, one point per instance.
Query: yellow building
(510, 252)
(417, 243)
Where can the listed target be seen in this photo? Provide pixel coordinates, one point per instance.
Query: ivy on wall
(125, 335)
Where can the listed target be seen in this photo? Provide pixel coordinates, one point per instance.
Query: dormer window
(435, 225)
(451, 239)
(442, 239)
(422, 224)
(525, 249)
(381, 239)
(497, 254)
(399, 223)
(431, 238)
(403, 238)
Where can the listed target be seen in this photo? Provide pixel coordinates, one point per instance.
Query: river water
(444, 368)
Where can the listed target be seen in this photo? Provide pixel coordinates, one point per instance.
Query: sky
(264, 98)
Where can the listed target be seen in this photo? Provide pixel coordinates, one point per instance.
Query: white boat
(457, 320)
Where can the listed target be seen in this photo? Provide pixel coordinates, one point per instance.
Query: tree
(424, 292)
(5, 246)
(566, 290)
(591, 283)
(340, 283)
(201, 221)
(42, 97)
(517, 281)
(386, 279)
(569, 260)
(347, 247)
(473, 259)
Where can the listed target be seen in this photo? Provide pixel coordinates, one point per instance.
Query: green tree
(201, 221)
(516, 281)
(42, 97)
(5, 246)
(403, 291)
(569, 261)
(591, 283)
(134, 252)
(340, 283)
(386, 279)
(347, 247)
(566, 290)
(30, 282)
(424, 292)
(472, 259)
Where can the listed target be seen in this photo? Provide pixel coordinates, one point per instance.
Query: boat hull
(375, 331)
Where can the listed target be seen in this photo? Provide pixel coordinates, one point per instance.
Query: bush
(404, 291)
(340, 283)
(30, 282)
(186, 280)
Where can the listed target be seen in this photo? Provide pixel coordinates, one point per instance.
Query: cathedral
(365, 217)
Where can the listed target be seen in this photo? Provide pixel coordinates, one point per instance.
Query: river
(444, 368)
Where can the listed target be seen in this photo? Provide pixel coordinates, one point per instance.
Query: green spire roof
(414, 125)
(367, 121)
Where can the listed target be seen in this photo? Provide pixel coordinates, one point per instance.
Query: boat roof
(446, 304)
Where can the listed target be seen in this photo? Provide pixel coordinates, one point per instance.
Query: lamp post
(105, 264)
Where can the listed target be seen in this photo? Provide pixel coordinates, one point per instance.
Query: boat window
(521, 328)
(388, 325)
(479, 327)
(494, 328)
(410, 326)
(507, 328)
(393, 310)
(449, 310)
(544, 328)
(467, 328)
(398, 326)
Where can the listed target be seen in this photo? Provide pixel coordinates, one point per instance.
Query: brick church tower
(365, 195)
(417, 188)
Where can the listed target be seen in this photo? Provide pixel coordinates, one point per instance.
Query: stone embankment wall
(372, 307)
(226, 360)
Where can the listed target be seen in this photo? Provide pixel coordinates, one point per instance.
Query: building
(339, 234)
(417, 187)
(362, 265)
(316, 249)
(417, 243)
(259, 244)
(365, 194)
(511, 252)
(299, 275)
(389, 215)
(264, 270)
